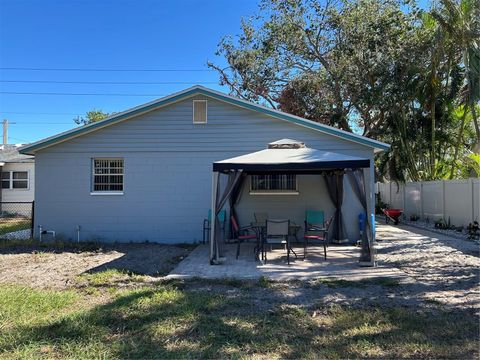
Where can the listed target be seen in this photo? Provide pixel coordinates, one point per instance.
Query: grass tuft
(110, 277)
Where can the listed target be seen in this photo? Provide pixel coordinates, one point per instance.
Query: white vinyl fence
(457, 201)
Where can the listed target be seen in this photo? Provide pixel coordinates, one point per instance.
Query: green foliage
(385, 69)
(473, 160)
(91, 117)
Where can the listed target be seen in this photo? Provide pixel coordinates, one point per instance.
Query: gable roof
(200, 90)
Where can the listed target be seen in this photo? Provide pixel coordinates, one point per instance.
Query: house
(18, 174)
(146, 174)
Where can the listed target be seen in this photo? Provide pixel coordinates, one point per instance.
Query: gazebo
(293, 157)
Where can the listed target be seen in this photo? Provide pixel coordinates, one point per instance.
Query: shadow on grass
(167, 321)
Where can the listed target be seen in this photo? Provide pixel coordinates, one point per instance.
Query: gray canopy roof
(290, 155)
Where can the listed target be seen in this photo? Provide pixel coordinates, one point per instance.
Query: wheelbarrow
(392, 214)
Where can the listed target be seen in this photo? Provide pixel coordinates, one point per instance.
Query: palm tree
(460, 21)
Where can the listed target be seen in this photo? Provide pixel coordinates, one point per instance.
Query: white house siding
(11, 197)
(168, 170)
(20, 194)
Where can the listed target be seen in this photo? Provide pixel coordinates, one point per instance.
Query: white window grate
(274, 183)
(107, 175)
(14, 179)
(199, 111)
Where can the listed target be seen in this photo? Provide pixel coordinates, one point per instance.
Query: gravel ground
(49, 268)
(443, 269)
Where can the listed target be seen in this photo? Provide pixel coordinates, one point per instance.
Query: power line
(44, 123)
(105, 70)
(109, 82)
(36, 113)
(75, 94)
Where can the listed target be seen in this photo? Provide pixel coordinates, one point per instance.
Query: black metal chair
(317, 232)
(277, 232)
(242, 234)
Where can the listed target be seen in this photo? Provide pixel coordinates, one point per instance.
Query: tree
(91, 117)
(460, 22)
(384, 69)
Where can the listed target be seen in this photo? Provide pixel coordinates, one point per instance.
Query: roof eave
(168, 100)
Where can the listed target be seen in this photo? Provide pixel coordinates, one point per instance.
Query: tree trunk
(477, 128)
(432, 150)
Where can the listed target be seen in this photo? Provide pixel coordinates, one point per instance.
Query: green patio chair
(314, 219)
(222, 217)
(316, 229)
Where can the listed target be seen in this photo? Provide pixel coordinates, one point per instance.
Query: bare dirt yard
(58, 267)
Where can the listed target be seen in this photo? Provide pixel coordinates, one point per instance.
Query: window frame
(92, 177)
(206, 112)
(11, 180)
(273, 192)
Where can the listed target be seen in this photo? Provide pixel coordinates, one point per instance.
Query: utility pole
(5, 131)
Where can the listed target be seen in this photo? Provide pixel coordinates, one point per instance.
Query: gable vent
(199, 111)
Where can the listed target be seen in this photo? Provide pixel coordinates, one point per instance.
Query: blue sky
(106, 34)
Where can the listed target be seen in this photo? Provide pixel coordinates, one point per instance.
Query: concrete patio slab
(341, 263)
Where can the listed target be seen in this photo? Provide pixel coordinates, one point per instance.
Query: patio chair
(277, 232)
(241, 234)
(317, 232)
(222, 217)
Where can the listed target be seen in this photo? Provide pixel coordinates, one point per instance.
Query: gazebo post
(371, 170)
(213, 245)
(369, 173)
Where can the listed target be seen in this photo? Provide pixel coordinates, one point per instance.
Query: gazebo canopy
(290, 155)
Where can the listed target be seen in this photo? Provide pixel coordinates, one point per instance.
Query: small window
(107, 175)
(274, 183)
(15, 180)
(199, 111)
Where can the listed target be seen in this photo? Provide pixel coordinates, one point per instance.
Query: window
(107, 175)
(275, 183)
(199, 111)
(15, 180)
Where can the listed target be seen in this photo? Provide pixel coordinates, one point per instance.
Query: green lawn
(180, 320)
(8, 225)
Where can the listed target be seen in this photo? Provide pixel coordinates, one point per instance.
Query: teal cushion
(315, 217)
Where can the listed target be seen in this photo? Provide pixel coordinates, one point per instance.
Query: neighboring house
(146, 173)
(17, 175)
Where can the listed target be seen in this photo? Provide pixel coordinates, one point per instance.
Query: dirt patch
(51, 268)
